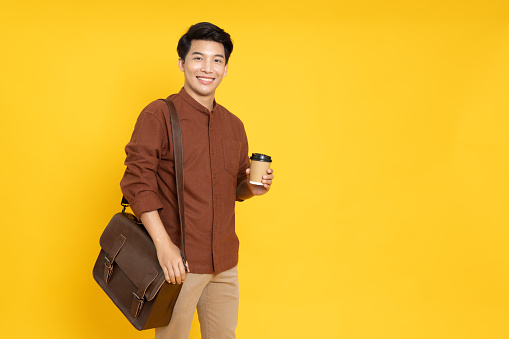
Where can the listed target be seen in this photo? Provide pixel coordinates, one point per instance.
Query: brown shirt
(215, 161)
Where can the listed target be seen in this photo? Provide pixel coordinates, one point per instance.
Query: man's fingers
(177, 275)
(268, 177)
(166, 274)
(179, 272)
(267, 180)
(172, 279)
(182, 272)
(173, 274)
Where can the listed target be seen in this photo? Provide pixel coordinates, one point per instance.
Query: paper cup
(260, 163)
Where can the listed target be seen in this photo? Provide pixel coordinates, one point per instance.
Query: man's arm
(139, 186)
(245, 190)
(168, 253)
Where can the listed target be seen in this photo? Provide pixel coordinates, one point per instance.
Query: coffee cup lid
(260, 157)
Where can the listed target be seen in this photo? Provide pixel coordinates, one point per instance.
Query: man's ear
(181, 64)
(225, 70)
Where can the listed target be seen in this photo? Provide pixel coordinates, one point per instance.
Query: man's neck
(207, 102)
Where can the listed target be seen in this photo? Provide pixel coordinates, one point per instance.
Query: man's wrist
(163, 240)
(243, 191)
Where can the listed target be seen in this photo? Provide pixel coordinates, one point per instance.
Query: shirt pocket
(231, 154)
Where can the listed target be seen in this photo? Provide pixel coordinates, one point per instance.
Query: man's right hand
(171, 262)
(168, 254)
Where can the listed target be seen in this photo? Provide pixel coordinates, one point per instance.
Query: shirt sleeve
(143, 153)
(243, 159)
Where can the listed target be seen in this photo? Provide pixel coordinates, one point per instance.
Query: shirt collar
(195, 104)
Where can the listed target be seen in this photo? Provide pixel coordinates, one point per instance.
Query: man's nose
(207, 66)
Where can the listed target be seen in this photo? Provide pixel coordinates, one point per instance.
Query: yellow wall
(387, 121)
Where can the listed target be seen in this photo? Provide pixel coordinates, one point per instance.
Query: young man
(216, 174)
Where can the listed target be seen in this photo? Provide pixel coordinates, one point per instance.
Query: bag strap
(178, 160)
(173, 125)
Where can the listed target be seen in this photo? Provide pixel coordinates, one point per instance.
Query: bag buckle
(108, 270)
(136, 305)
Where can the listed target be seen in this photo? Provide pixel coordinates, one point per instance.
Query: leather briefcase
(127, 267)
(128, 270)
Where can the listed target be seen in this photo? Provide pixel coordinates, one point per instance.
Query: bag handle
(178, 160)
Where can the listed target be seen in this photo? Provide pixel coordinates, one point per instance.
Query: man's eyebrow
(217, 55)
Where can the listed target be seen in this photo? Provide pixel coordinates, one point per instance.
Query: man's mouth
(205, 80)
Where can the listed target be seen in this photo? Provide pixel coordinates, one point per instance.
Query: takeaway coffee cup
(260, 163)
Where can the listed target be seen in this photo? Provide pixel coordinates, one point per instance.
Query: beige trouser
(216, 296)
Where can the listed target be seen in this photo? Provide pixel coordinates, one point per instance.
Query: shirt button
(213, 153)
(215, 176)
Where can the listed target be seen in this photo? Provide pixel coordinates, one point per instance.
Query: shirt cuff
(145, 202)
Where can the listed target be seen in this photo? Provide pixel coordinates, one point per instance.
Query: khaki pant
(216, 297)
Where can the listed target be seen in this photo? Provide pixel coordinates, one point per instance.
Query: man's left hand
(266, 181)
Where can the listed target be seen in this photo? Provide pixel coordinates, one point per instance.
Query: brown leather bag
(127, 268)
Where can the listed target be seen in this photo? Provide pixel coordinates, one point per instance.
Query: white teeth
(205, 79)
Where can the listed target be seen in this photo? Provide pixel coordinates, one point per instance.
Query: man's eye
(219, 61)
(197, 58)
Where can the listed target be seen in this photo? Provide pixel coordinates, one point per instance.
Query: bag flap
(138, 257)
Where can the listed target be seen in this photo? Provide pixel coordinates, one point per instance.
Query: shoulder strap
(178, 160)
(173, 125)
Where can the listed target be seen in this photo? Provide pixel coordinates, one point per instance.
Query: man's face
(204, 68)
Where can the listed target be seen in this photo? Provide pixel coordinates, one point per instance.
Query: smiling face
(204, 69)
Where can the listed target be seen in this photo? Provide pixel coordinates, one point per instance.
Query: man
(216, 174)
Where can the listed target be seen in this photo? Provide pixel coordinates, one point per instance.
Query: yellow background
(387, 122)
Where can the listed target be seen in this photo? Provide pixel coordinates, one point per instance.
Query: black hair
(205, 31)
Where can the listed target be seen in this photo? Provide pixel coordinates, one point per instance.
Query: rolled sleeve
(143, 153)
